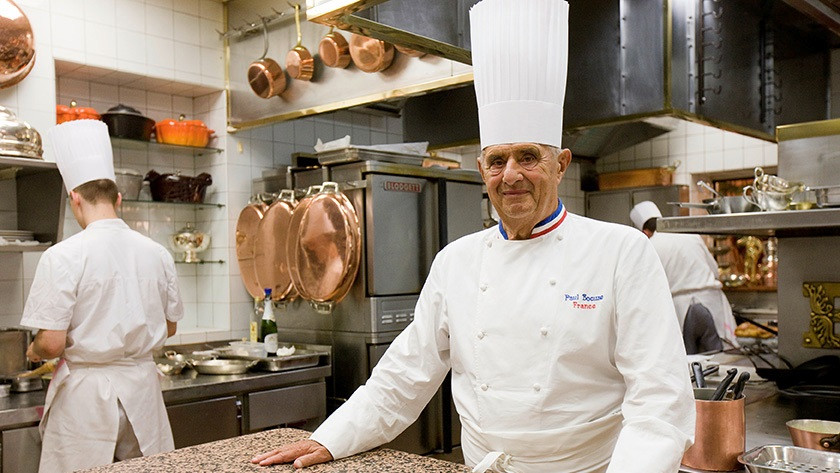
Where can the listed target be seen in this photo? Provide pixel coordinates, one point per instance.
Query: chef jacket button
(484, 387)
(552, 282)
(559, 237)
(489, 243)
(544, 331)
(480, 334)
(483, 287)
(537, 387)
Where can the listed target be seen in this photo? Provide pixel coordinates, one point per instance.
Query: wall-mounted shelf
(24, 248)
(204, 261)
(157, 203)
(786, 223)
(125, 143)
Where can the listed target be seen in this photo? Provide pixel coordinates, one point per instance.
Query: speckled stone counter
(234, 455)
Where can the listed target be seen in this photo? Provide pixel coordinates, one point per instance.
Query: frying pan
(369, 54)
(272, 268)
(17, 44)
(246, 231)
(299, 62)
(334, 50)
(265, 76)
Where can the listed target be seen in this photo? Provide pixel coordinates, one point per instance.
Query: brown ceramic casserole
(178, 188)
(63, 113)
(183, 132)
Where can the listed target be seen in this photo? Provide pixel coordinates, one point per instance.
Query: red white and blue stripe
(546, 225)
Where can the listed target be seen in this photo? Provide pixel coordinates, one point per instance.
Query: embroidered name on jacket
(583, 300)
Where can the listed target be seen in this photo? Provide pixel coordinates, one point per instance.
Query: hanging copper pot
(334, 50)
(246, 232)
(370, 55)
(325, 245)
(265, 76)
(17, 44)
(409, 52)
(270, 247)
(299, 62)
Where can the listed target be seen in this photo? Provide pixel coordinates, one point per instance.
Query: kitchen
(168, 58)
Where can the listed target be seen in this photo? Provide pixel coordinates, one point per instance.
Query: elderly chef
(102, 299)
(559, 330)
(691, 270)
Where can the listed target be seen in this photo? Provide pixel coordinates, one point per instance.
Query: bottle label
(271, 343)
(253, 331)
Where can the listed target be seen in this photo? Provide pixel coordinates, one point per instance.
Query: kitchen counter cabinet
(234, 455)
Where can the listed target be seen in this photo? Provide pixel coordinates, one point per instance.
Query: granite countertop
(234, 455)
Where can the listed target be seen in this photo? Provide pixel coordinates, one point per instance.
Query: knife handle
(699, 379)
(724, 385)
(738, 390)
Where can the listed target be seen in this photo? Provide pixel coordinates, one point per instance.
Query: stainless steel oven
(407, 213)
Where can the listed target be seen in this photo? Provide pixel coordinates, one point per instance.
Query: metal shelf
(787, 223)
(217, 261)
(125, 143)
(24, 248)
(197, 206)
(21, 166)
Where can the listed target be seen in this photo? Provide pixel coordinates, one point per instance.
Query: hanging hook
(714, 75)
(265, 37)
(297, 23)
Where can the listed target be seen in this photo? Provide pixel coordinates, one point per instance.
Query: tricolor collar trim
(545, 226)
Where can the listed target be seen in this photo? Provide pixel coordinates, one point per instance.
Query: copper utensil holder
(719, 435)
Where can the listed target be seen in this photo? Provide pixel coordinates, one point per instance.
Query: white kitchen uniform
(693, 277)
(112, 289)
(564, 349)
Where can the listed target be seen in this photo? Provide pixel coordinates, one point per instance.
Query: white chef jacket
(112, 289)
(564, 349)
(693, 277)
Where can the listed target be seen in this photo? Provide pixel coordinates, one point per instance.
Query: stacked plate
(21, 235)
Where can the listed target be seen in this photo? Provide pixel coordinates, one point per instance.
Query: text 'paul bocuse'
(583, 301)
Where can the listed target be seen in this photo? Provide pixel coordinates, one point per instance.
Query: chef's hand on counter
(303, 453)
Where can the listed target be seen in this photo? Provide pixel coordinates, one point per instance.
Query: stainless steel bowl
(17, 138)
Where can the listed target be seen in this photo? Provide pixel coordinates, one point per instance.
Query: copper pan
(17, 44)
(246, 232)
(815, 434)
(324, 253)
(334, 50)
(370, 55)
(270, 247)
(409, 51)
(265, 76)
(299, 62)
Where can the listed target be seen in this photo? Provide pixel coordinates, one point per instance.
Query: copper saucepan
(266, 77)
(299, 62)
(270, 247)
(17, 44)
(815, 434)
(334, 50)
(246, 231)
(369, 54)
(325, 250)
(409, 51)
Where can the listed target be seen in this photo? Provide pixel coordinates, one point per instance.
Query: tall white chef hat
(642, 212)
(520, 54)
(82, 151)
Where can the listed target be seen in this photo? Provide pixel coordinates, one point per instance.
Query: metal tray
(305, 356)
(351, 154)
(787, 459)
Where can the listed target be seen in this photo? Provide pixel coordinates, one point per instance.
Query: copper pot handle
(831, 442)
(297, 23)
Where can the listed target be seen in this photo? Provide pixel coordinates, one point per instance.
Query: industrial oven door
(400, 233)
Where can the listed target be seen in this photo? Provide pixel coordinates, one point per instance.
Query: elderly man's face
(522, 180)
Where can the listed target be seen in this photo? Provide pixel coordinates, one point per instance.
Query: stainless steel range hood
(735, 65)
